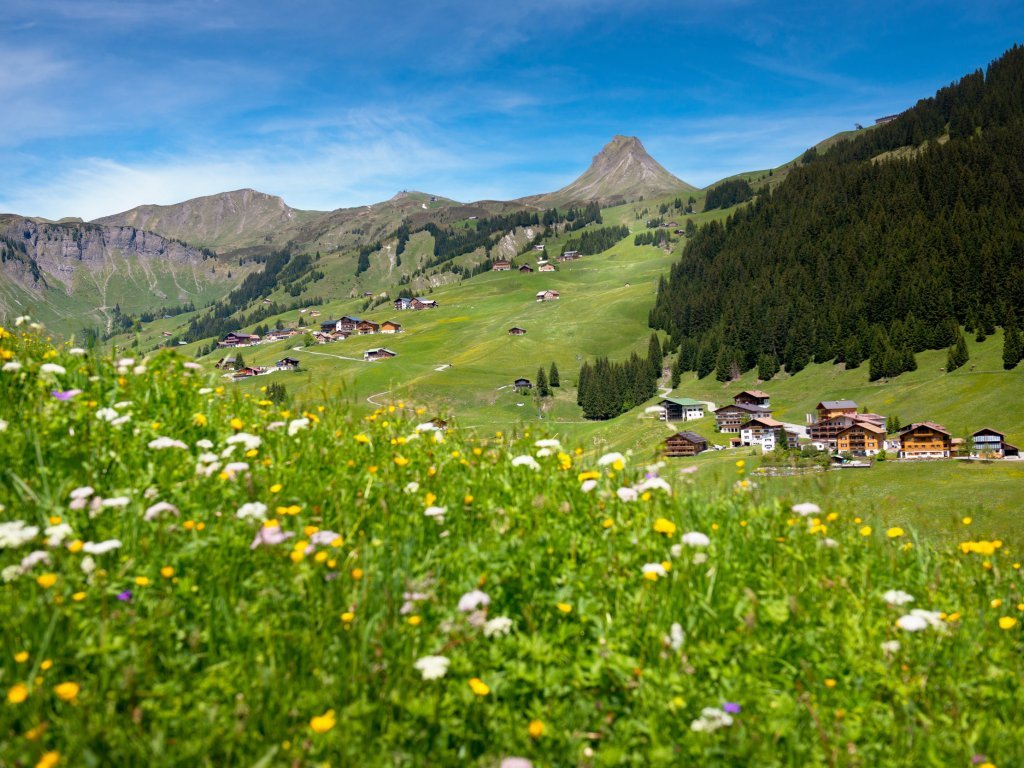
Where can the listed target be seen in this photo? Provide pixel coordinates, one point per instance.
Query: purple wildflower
(125, 597)
(270, 536)
(731, 707)
(977, 759)
(67, 394)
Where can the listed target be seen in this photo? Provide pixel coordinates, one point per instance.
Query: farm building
(522, 384)
(230, 361)
(288, 364)
(685, 444)
(546, 268)
(419, 303)
(378, 354)
(990, 442)
(681, 409)
(570, 256)
(517, 331)
(753, 397)
(547, 295)
(390, 326)
(729, 418)
(367, 327)
(501, 265)
(403, 303)
(239, 339)
(526, 269)
(925, 440)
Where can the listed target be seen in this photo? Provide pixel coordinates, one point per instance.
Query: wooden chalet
(517, 331)
(288, 364)
(367, 327)
(828, 408)
(683, 444)
(249, 370)
(229, 361)
(547, 295)
(526, 269)
(279, 335)
(729, 418)
(925, 440)
(991, 442)
(501, 265)
(378, 354)
(826, 430)
(681, 409)
(522, 384)
(570, 256)
(419, 303)
(546, 268)
(753, 397)
(861, 438)
(403, 303)
(390, 326)
(239, 339)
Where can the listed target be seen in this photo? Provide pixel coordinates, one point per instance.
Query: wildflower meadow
(192, 577)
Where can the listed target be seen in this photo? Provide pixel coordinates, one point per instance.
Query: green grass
(186, 645)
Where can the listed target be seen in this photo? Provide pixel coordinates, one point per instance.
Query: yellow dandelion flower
(200, 420)
(142, 581)
(78, 597)
(348, 617)
(236, 424)
(650, 575)
(276, 488)
(665, 526)
(414, 620)
(996, 603)
(608, 522)
(479, 687)
(830, 683)
(564, 607)
(865, 531)
(21, 657)
(1007, 622)
(467, 499)
(535, 729)
(895, 532)
(49, 759)
(357, 573)
(17, 693)
(67, 691)
(47, 580)
(167, 572)
(55, 520)
(46, 664)
(401, 461)
(296, 555)
(966, 521)
(323, 723)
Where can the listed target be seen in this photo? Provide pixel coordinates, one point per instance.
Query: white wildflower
(699, 558)
(829, 543)
(676, 550)
(20, 319)
(12, 366)
(437, 513)
(543, 453)
(412, 487)
(250, 441)
(297, 425)
(525, 461)
(654, 482)
(55, 534)
(675, 637)
(656, 568)
(161, 443)
(10, 573)
(52, 368)
(138, 370)
(115, 501)
(695, 539)
(32, 559)
(88, 565)
(610, 458)
(121, 420)
(205, 390)
(549, 443)
(204, 444)
(432, 667)
(15, 533)
(890, 647)
(101, 547)
(932, 618)
(252, 510)
(500, 625)
(206, 469)
(473, 600)
(627, 494)
(806, 508)
(910, 623)
(711, 719)
(235, 467)
(3, 425)
(106, 414)
(897, 597)
(324, 538)
(588, 485)
(122, 404)
(76, 351)
(126, 362)
(159, 509)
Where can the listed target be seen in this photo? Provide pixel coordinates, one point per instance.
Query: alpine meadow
(635, 472)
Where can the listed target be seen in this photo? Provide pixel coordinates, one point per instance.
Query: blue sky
(111, 104)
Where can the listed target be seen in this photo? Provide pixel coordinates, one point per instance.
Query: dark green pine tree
(553, 379)
(1013, 351)
(767, 366)
(542, 383)
(957, 355)
(654, 356)
(852, 353)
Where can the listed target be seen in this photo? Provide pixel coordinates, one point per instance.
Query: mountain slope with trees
(854, 257)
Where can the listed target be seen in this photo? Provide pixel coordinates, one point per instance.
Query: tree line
(607, 389)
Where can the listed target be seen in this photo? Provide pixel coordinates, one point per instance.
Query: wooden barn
(683, 444)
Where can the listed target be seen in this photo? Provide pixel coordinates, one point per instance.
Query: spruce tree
(542, 383)
(654, 356)
(553, 376)
(767, 366)
(1012, 348)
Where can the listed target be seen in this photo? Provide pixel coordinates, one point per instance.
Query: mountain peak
(622, 170)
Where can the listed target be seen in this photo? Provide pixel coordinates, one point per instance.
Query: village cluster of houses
(836, 427)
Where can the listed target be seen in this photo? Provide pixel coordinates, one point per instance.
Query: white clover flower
(10, 573)
(101, 547)
(250, 441)
(500, 625)
(610, 458)
(115, 501)
(437, 513)
(16, 533)
(88, 565)
(162, 443)
(253, 510)
(897, 597)
(12, 366)
(627, 494)
(159, 509)
(695, 539)
(656, 568)
(676, 550)
(204, 444)
(55, 534)
(890, 647)
(588, 485)
(675, 637)
(806, 508)
(711, 719)
(525, 461)
(432, 667)
(52, 368)
(106, 414)
(411, 487)
(297, 425)
(472, 600)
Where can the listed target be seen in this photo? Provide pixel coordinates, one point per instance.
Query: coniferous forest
(866, 254)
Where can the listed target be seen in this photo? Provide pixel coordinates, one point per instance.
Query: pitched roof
(867, 425)
(832, 405)
(683, 401)
(764, 421)
(747, 408)
(693, 437)
(988, 430)
(929, 424)
(753, 393)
